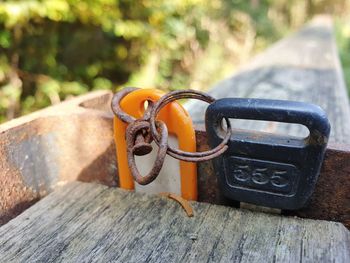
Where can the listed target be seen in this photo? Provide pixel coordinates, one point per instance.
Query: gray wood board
(303, 67)
(83, 222)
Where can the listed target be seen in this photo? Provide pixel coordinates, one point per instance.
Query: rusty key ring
(131, 133)
(116, 105)
(144, 141)
(176, 153)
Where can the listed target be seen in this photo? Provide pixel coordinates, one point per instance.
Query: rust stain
(183, 202)
(15, 196)
(331, 199)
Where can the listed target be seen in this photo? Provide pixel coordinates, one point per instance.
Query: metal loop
(115, 105)
(176, 153)
(131, 133)
(139, 133)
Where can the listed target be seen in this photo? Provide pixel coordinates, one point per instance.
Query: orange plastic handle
(178, 122)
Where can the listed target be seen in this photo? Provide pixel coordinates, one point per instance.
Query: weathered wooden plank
(84, 222)
(302, 67)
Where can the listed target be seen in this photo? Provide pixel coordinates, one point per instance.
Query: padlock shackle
(179, 123)
(307, 114)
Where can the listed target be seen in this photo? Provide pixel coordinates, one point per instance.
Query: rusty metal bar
(85, 124)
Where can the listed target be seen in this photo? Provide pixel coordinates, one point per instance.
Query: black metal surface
(268, 169)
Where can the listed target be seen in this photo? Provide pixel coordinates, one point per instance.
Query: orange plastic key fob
(179, 123)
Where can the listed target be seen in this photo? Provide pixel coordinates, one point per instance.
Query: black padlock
(268, 169)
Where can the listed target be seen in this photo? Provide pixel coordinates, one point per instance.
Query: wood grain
(84, 222)
(302, 67)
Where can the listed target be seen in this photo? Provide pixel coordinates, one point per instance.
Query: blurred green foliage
(342, 27)
(54, 49)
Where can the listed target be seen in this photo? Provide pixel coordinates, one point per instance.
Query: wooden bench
(84, 222)
(90, 222)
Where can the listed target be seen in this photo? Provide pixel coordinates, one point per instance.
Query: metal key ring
(176, 153)
(115, 105)
(131, 132)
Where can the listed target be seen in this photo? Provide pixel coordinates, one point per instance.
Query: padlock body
(268, 169)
